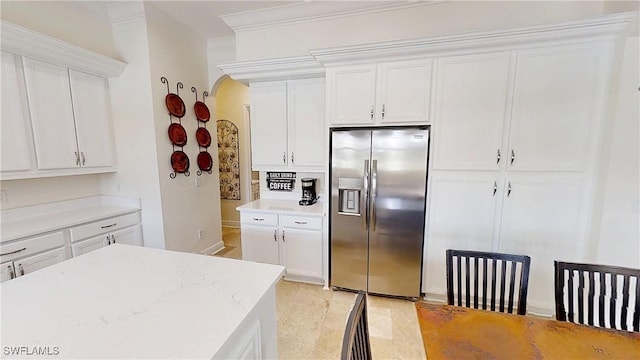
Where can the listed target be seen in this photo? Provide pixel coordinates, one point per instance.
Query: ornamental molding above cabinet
(274, 69)
(22, 41)
(599, 28)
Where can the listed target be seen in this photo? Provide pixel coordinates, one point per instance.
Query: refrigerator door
(397, 211)
(350, 154)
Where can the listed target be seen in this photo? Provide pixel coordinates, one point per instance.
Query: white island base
(130, 302)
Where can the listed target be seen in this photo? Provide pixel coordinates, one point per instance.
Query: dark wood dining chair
(598, 295)
(481, 273)
(355, 343)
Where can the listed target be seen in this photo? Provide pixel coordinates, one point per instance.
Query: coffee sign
(281, 181)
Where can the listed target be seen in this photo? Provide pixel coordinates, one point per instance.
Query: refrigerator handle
(374, 190)
(365, 199)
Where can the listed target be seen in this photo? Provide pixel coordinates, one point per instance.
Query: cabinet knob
(371, 112)
(495, 188)
(83, 159)
(113, 238)
(12, 275)
(513, 156)
(291, 158)
(21, 269)
(284, 157)
(509, 189)
(283, 236)
(77, 158)
(108, 240)
(498, 157)
(275, 235)
(383, 111)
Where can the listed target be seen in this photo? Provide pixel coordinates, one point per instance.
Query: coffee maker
(308, 191)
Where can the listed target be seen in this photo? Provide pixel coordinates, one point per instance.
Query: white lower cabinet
(289, 240)
(124, 229)
(28, 255)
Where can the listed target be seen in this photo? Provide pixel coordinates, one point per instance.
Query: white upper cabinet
(389, 93)
(554, 107)
(543, 122)
(70, 121)
(93, 119)
(471, 111)
(17, 146)
(51, 115)
(288, 124)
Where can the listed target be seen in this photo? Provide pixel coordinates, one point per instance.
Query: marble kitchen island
(130, 302)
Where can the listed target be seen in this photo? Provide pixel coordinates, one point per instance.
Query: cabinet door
(51, 115)
(93, 119)
(302, 252)
(543, 217)
(470, 112)
(352, 95)
(555, 105)
(269, 124)
(130, 236)
(306, 122)
(36, 262)
(95, 243)
(260, 244)
(16, 141)
(7, 272)
(462, 215)
(405, 92)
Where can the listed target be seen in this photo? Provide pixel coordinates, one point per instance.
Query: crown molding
(274, 69)
(22, 41)
(309, 11)
(601, 28)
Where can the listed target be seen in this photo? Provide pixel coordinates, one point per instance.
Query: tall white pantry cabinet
(513, 157)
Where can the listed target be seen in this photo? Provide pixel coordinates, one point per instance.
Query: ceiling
(204, 17)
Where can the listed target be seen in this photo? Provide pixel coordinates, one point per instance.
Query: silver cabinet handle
(495, 188)
(509, 189)
(108, 226)
(108, 240)
(371, 112)
(513, 156)
(21, 269)
(365, 198)
(12, 275)
(292, 158)
(283, 236)
(374, 190)
(498, 156)
(14, 252)
(258, 219)
(77, 158)
(383, 111)
(83, 159)
(301, 222)
(275, 235)
(113, 238)
(284, 157)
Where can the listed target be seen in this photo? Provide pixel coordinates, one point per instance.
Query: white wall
(430, 19)
(133, 121)
(179, 54)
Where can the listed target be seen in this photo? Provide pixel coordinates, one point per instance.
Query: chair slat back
(509, 273)
(355, 343)
(611, 295)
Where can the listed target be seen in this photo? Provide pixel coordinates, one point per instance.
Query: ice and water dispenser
(350, 191)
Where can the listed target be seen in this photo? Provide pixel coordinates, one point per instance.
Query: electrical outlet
(3, 196)
(198, 181)
(200, 234)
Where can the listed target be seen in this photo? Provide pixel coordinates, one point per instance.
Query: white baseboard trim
(213, 249)
(231, 223)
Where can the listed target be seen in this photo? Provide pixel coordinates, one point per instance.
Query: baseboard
(231, 223)
(305, 279)
(213, 249)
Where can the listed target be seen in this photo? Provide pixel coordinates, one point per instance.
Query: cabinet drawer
(30, 246)
(301, 222)
(252, 218)
(104, 226)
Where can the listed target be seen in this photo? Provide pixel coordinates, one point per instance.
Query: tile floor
(311, 320)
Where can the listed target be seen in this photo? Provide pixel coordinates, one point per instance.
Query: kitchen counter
(37, 219)
(280, 206)
(131, 302)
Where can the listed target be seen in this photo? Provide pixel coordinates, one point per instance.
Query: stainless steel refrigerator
(378, 191)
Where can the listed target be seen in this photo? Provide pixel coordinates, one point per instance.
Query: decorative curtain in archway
(228, 160)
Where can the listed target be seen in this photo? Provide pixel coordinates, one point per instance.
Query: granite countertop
(126, 301)
(282, 206)
(32, 220)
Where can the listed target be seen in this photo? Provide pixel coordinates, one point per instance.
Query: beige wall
(28, 192)
(230, 100)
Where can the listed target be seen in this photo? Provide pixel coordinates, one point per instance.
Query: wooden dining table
(452, 332)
